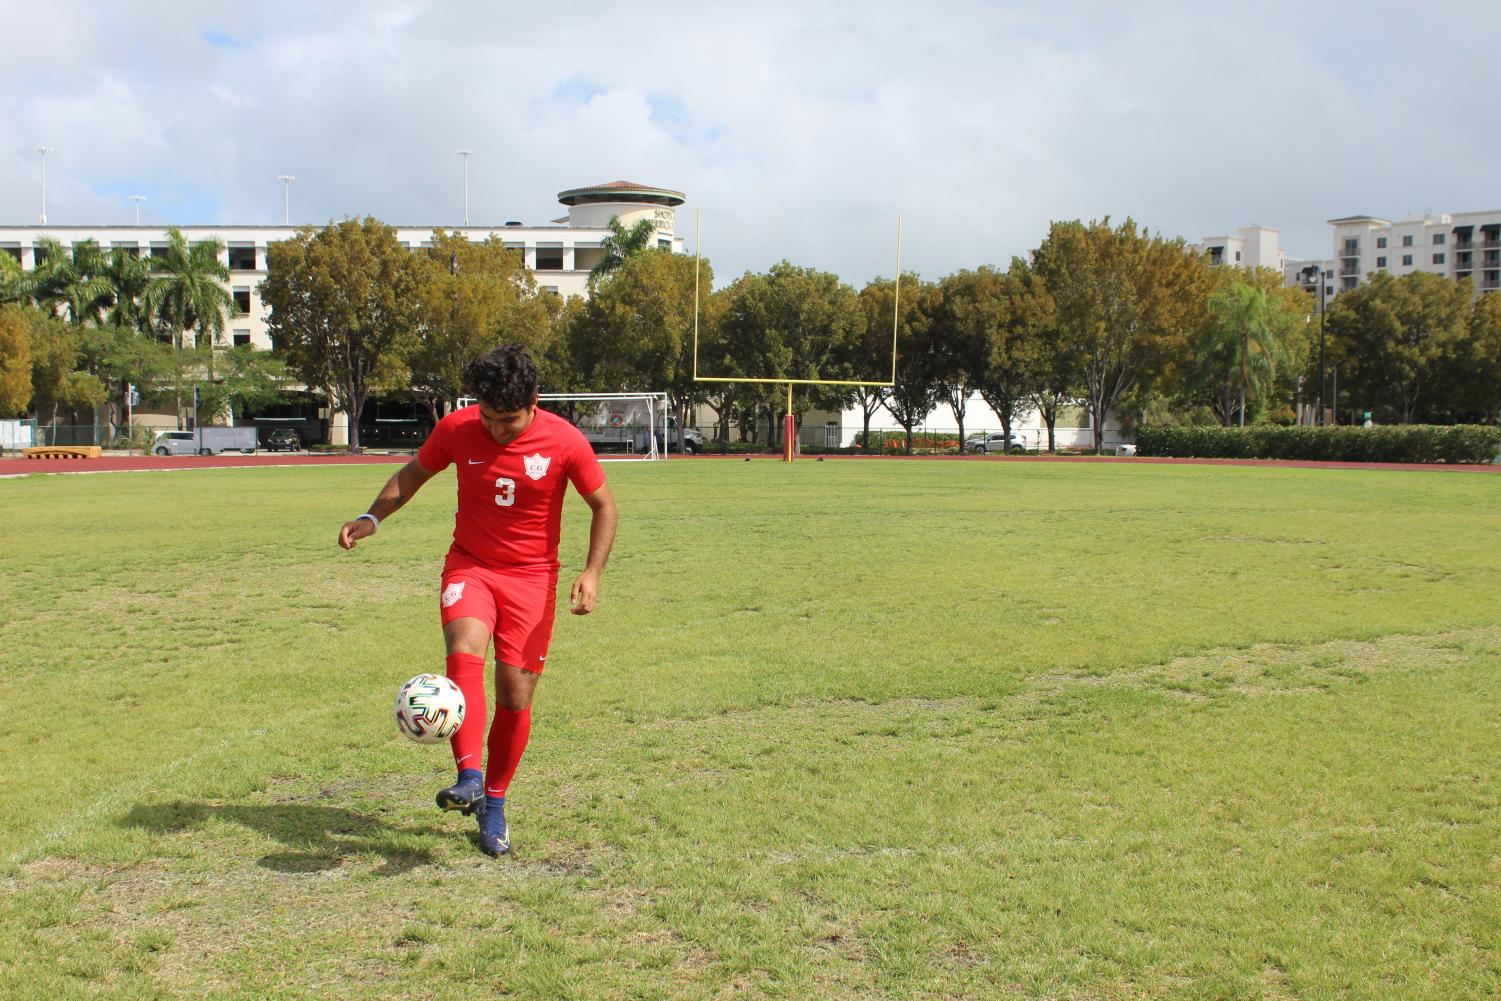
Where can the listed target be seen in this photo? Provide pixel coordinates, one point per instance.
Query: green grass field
(838, 730)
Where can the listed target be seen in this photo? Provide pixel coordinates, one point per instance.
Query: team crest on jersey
(452, 593)
(536, 465)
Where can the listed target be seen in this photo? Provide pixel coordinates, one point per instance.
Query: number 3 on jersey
(507, 488)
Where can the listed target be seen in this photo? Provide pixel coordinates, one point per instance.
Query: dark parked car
(282, 440)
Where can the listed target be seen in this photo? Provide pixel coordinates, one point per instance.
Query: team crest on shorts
(452, 593)
(536, 465)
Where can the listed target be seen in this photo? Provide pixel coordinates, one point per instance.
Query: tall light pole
(44, 150)
(138, 199)
(466, 154)
(1318, 274)
(286, 197)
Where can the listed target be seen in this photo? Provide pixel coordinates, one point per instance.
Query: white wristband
(374, 521)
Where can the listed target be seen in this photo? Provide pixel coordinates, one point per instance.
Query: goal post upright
(789, 419)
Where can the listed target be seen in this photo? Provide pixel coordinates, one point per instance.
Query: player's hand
(354, 531)
(585, 591)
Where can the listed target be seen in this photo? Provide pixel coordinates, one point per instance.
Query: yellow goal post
(789, 422)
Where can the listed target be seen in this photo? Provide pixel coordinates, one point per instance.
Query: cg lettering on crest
(536, 465)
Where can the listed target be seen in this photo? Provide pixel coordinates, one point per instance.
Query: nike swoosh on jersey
(476, 462)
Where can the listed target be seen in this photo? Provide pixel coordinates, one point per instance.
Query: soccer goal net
(620, 426)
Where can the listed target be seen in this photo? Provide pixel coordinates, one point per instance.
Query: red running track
(146, 463)
(142, 463)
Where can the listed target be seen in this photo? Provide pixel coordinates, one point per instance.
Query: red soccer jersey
(511, 496)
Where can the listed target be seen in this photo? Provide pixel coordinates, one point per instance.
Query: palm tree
(1247, 332)
(130, 277)
(76, 281)
(186, 290)
(621, 245)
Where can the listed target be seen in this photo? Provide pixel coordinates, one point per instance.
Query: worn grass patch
(843, 730)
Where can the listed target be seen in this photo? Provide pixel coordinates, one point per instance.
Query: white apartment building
(1455, 245)
(1250, 247)
(560, 254)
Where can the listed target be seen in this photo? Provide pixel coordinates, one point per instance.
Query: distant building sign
(666, 219)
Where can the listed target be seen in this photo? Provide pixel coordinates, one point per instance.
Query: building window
(550, 288)
(1352, 248)
(1407, 260)
(242, 258)
(242, 338)
(549, 258)
(14, 251)
(133, 249)
(39, 255)
(664, 244)
(1438, 239)
(1438, 258)
(1237, 257)
(1380, 262)
(242, 300)
(1347, 284)
(158, 250)
(1407, 240)
(1380, 243)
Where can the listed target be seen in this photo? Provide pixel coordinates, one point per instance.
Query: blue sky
(800, 130)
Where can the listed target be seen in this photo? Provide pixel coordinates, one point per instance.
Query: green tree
(790, 323)
(1126, 303)
(916, 392)
(186, 291)
(14, 281)
(471, 297)
(1481, 380)
(962, 338)
(344, 310)
(1396, 337)
(1245, 343)
(15, 360)
(636, 331)
(621, 245)
(74, 282)
(56, 382)
(248, 379)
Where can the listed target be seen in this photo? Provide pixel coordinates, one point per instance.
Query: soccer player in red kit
(514, 462)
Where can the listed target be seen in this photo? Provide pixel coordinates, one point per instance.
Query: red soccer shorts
(517, 605)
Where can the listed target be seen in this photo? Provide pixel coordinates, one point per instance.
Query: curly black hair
(502, 379)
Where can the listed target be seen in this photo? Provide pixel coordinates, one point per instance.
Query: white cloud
(800, 129)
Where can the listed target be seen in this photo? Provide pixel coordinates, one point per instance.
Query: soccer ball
(429, 709)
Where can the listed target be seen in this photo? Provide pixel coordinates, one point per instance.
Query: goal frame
(657, 403)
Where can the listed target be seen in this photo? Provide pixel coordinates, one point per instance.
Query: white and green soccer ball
(429, 709)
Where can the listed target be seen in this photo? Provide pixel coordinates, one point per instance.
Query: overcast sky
(799, 129)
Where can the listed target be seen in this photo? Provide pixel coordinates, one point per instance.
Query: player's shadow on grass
(318, 837)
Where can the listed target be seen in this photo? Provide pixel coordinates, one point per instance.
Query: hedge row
(1388, 443)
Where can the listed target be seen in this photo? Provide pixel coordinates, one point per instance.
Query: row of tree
(85, 324)
(1110, 317)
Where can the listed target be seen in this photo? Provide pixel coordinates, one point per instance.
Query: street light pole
(286, 197)
(1323, 278)
(44, 150)
(138, 199)
(466, 154)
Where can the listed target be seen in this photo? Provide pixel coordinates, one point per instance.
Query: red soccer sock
(508, 736)
(468, 672)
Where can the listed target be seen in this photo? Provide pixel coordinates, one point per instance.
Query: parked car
(282, 440)
(205, 441)
(997, 443)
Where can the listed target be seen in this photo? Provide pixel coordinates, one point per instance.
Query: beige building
(560, 254)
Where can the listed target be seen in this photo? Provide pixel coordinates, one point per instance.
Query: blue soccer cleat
(494, 833)
(467, 795)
